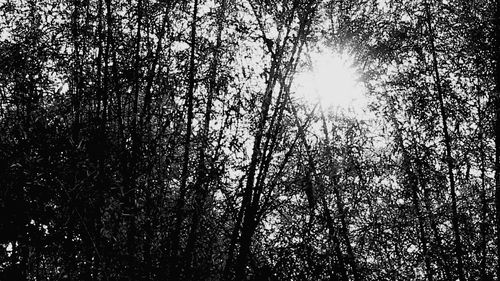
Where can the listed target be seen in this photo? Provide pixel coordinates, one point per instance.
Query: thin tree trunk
(146, 115)
(447, 141)
(496, 99)
(340, 205)
(442, 260)
(76, 73)
(253, 191)
(130, 178)
(311, 194)
(181, 200)
(247, 206)
(109, 42)
(412, 183)
(98, 61)
(233, 241)
(202, 179)
(484, 203)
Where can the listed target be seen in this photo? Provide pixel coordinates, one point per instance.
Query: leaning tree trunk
(411, 182)
(447, 142)
(311, 193)
(255, 185)
(340, 205)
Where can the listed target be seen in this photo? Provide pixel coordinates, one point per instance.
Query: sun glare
(332, 80)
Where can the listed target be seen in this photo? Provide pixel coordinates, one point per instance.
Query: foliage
(162, 140)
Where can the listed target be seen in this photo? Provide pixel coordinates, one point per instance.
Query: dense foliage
(163, 140)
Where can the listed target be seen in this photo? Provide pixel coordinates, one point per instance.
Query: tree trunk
(447, 141)
(131, 166)
(202, 179)
(249, 211)
(311, 194)
(411, 183)
(151, 75)
(483, 228)
(496, 99)
(181, 200)
(340, 205)
(76, 98)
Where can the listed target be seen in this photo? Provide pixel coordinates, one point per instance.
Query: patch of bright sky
(5, 35)
(206, 8)
(382, 4)
(333, 80)
(8, 248)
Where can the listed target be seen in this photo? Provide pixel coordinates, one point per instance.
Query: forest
(178, 140)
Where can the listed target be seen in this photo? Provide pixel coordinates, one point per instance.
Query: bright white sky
(332, 80)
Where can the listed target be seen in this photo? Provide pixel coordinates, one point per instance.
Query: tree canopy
(173, 140)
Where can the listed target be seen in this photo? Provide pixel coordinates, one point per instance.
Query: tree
(155, 140)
